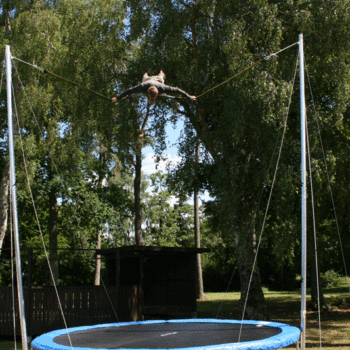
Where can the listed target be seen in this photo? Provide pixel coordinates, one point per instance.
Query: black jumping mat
(166, 335)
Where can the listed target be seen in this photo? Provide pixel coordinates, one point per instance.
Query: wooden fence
(81, 306)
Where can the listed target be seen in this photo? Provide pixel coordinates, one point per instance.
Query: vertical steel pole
(14, 201)
(303, 195)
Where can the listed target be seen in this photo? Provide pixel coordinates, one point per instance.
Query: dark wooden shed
(153, 282)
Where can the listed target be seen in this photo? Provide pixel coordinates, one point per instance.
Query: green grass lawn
(8, 345)
(283, 307)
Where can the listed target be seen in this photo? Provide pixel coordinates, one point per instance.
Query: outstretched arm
(163, 89)
(132, 90)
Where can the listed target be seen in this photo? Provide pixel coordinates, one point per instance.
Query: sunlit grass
(10, 345)
(283, 307)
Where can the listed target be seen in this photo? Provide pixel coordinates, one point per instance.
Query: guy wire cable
(35, 211)
(66, 190)
(221, 304)
(268, 204)
(314, 232)
(13, 280)
(38, 222)
(329, 182)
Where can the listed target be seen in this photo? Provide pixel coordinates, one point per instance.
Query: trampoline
(194, 334)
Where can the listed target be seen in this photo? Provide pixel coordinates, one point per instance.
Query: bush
(330, 279)
(216, 278)
(338, 301)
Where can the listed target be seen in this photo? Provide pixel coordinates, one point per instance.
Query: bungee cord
(258, 203)
(35, 119)
(43, 70)
(245, 69)
(205, 92)
(29, 64)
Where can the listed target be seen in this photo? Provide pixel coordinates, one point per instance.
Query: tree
(4, 196)
(6, 9)
(194, 24)
(197, 232)
(168, 220)
(82, 41)
(201, 44)
(187, 179)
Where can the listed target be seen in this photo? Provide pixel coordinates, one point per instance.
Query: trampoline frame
(289, 335)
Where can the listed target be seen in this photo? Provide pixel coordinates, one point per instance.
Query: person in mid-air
(154, 86)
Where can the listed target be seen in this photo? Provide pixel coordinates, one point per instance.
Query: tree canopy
(82, 151)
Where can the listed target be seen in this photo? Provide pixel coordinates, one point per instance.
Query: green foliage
(82, 148)
(5, 271)
(340, 301)
(330, 279)
(201, 44)
(167, 220)
(67, 133)
(76, 268)
(219, 270)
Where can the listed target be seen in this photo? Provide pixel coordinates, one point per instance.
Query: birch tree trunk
(99, 233)
(53, 235)
(252, 301)
(4, 196)
(200, 288)
(137, 181)
(137, 195)
(98, 261)
(5, 176)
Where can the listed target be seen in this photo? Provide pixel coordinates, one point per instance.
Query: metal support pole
(14, 202)
(303, 195)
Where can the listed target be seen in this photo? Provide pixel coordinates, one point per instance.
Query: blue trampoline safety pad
(189, 334)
